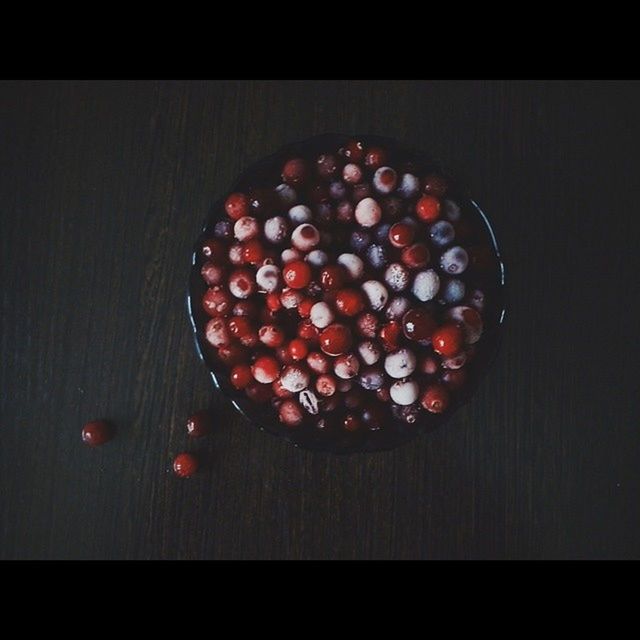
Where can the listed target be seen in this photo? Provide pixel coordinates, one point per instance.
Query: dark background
(103, 189)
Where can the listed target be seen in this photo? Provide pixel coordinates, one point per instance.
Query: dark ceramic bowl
(266, 172)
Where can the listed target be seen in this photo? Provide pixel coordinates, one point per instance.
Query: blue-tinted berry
(377, 256)
(442, 233)
(360, 240)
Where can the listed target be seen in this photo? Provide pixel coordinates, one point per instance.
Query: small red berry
(212, 274)
(353, 151)
(375, 158)
(367, 324)
(266, 369)
(290, 413)
(279, 390)
(435, 185)
(435, 399)
(97, 432)
(304, 308)
(448, 340)
(454, 378)
(298, 349)
(244, 308)
(241, 376)
(237, 206)
(335, 339)
(273, 301)
(232, 354)
(349, 302)
(185, 465)
(390, 334)
(242, 283)
(199, 424)
(252, 251)
(297, 274)
(294, 171)
(217, 302)
(326, 385)
(418, 324)
(332, 277)
(428, 208)
(327, 165)
(351, 422)
(415, 256)
(271, 335)
(214, 251)
(318, 362)
(308, 331)
(401, 234)
(240, 327)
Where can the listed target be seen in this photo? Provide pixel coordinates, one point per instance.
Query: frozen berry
(390, 335)
(396, 276)
(470, 321)
(97, 432)
(371, 378)
(344, 212)
(369, 351)
(275, 229)
(242, 283)
(415, 256)
(317, 258)
(240, 376)
(290, 413)
(452, 291)
(305, 237)
(346, 366)
(237, 206)
(454, 260)
(426, 285)
(335, 339)
(377, 256)
(185, 465)
(367, 325)
(349, 302)
(246, 228)
(200, 424)
(216, 332)
(352, 173)
(442, 233)
(265, 369)
(295, 378)
(298, 349)
(300, 213)
(271, 335)
(385, 179)
(447, 340)
(286, 194)
(223, 229)
(297, 274)
(418, 325)
(400, 363)
(368, 212)
(397, 308)
(212, 274)
(409, 185)
(435, 399)
(326, 385)
(401, 234)
(332, 277)
(236, 253)
(360, 240)
(337, 190)
(377, 294)
(404, 392)
(375, 158)
(294, 171)
(217, 302)
(318, 362)
(352, 264)
(428, 208)
(327, 165)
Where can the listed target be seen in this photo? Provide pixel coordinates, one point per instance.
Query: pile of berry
(347, 294)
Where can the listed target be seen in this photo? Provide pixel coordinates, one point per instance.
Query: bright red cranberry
(435, 399)
(349, 302)
(212, 274)
(241, 376)
(185, 465)
(390, 334)
(266, 369)
(294, 171)
(415, 256)
(297, 274)
(353, 151)
(332, 277)
(418, 324)
(428, 208)
(401, 234)
(240, 327)
(448, 340)
(327, 165)
(237, 206)
(304, 308)
(454, 378)
(367, 325)
(259, 393)
(199, 424)
(217, 302)
(326, 385)
(298, 349)
(273, 301)
(214, 250)
(97, 432)
(252, 251)
(308, 331)
(435, 185)
(232, 354)
(335, 339)
(375, 158)
(271, 335)
(290, 413)
(351, 422)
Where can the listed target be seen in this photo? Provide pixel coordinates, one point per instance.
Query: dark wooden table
(103, 189)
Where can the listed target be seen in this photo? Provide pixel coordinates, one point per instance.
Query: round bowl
(394, 433)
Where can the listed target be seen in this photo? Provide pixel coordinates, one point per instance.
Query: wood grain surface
(103, 189)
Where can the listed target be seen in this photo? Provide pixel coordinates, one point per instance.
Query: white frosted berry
(452, 291)
(454, 260)
(371, 378)
(246, 228)
(294, 379)
(369, 351)
(470, 320)
(317, 258)
(236, 253)
(291, 298)
(352, 263)
(289, 255)
(425, 285)
(404, 392)
(300, 213)
(396, 276)
(305, 237)
(321, 315)
(451, 210)
(397, 307)
(268, 278)
(275, 229)
(287, 194)
(346, 366)
(309, 401)
(352, 173)
(217, 332)
(368, 212)
(376, 293)
(385, 179)
(442, 233)
(409, 185)
(400, 363)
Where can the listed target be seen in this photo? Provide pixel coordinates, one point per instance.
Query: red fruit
(242, 283)
(390, 334)
(233, 354)
(298, 349)
(448, 340)
(200, 423)
(401, 234)
(240, 327)
(214, 251)
(185, 465)
(237, 206)
(428, 365)
(294, 171)
(308, 331)
(211, 273)
(266, 369)
(383, 394)
(428, 208)
(435, 185)
(454, 378)
(259, 393)
(415, 256)
(241, 376)
(349, 302)
(297, 274)
(291, 298)
(279, 390)
(375, 158)
(236, 254)
(252, 251)
(351, 422)
(244, 308)
(290, 413)
(273, 301)
(435, 399)
(326, 385)
(335, 339)
(271, 335)
(97, 432)
(332, 277)
(367, 324)
(318, 362)
(418, 324)
(304, 308)
(353, 151)
(217, 302)
(217, 333)
(327, 165)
